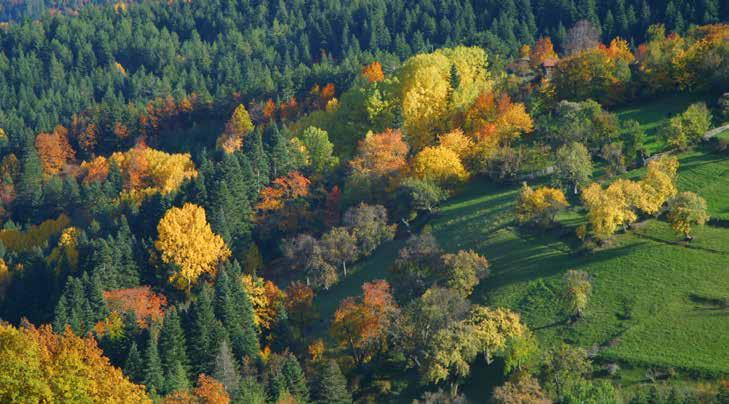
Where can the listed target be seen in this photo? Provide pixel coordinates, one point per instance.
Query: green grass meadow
(648, 308)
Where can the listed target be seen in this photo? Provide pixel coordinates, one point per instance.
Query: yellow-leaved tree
(440, 165)
(659, 184)
(186, 241)
(435, 85)
(37, 365)
(539, 205)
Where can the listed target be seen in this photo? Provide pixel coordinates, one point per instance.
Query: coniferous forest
(453, 201)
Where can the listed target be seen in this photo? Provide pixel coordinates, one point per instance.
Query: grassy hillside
(652, 297)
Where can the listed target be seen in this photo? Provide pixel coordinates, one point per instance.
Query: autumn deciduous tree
(265, 297)
(464, 270)
(339, 247)
(380, 154)
(574, 165)
(373, 72)
(368, 224)
(688, 127)
(283, 189)
(40, 366)
(299, 302)
(539, 205)
(524, 389)
(210, 391)
(361, 324)
(659, 183)
(236, 129)
(576, 292)
(542, 51)
(186, 241)
(484, 331)
(148, 306)
(685, 210)
(440, 165)
(54, 150)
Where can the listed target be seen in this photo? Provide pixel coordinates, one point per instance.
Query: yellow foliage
(439, 165)
(5, 278)
(540, 205)
(608, 209)
(66, 248)
(37, 365)
(428, 96)
(514, 121)
(457, 142)
(145, 171)
(659, 184)
(186, 241)
(35, 236)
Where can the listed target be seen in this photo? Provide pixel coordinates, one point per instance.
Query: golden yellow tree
(457, 142)
(659, 184)
(186, 241)
(236, 129)
(607, 209)
(440, 165)
(539, 205)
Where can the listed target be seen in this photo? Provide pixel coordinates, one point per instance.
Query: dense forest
(194, 195)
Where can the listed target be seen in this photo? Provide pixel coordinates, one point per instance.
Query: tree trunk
(344, 266)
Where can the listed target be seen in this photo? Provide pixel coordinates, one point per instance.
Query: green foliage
(687, 128)
(319, 150)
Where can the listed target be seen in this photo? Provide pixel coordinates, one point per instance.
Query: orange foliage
(489, 116)
(210, 391)
(54, 150)
(147, 305)
(381, 154)
(299, 301)
(269, 110)
(542, 52)
(283, 189)
(73, 368)
(289, 109)
(361, 324)
(316, 350)
(373, 72)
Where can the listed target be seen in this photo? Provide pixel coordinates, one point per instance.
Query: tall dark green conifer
(206, 332)
(173, 352)
(331, 386)
(234, 309)
(134, 364)
(154, 377)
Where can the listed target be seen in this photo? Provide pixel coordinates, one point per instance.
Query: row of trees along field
(179, 181)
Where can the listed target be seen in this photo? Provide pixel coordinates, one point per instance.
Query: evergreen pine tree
(331, 386)
(95, 296)
(234, 309)
(134, 364)
(258, 159)
(295, 379)
(29, 188)
(225, 368)
(154, 377)
(206, 332)
(173, 351)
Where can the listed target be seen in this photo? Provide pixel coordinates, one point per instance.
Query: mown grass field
(647, 309)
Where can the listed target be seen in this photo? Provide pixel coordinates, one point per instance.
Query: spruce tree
(29, 188)
(173, 351)
(234, 309)
(331, 386)
(295, 379)
(134, 364)
(225, 368)
(206, 332)
(154, 377)
(258, 159)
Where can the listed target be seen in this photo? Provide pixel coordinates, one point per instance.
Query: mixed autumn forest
(435, 201)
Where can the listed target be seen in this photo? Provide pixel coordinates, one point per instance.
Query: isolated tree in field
(574, 166)
(688, 127)
(421, 195)
(539, 205)
(633, 138)
(236, 129)
(464, 270)
(368, 224)
(659, 184)
(186, 241)
(440, 165)
(576, 292)
(685, 210)
(339, 247)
